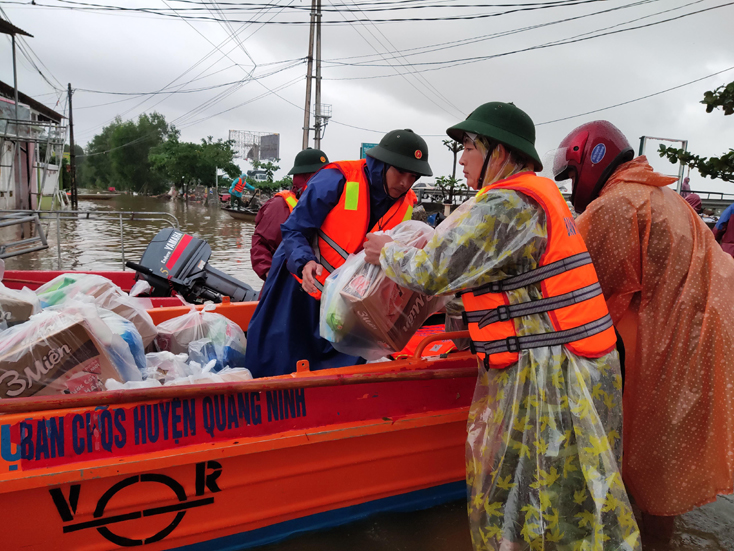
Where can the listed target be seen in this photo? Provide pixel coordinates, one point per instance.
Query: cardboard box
(68, 361)
(389, 313)
(14, 310)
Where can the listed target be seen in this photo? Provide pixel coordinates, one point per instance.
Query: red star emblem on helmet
(418, 154)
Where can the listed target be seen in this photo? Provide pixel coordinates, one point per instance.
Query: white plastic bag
(17, 306)
(364, 313)
(105, 294)
(166, 366)
(226, 340)
(62, 351)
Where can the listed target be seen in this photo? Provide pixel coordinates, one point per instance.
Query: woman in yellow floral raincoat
(543, 445)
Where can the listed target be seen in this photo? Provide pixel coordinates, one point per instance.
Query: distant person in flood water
(724, 231)
(668, 286)
(239, 185)
(342, 203)
(267, 236)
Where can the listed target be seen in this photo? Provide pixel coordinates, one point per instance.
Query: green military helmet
(504, 123)
(405, 150)
(309, 161)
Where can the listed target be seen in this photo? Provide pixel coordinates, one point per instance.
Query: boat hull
(248, 215)
(232, 465)
(221, 467)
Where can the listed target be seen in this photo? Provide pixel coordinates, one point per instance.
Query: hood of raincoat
(380, 201)
(637, 171)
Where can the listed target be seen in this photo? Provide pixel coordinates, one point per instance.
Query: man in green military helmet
(545, 425)
(267, 236)
(344, 201)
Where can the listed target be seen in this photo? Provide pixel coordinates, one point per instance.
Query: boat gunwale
(401, 370)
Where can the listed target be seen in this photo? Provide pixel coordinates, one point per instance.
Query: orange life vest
(572, 297)
(289, 197)
(240, 185)
(345, 228)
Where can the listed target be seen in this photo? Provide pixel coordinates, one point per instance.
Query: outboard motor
(175, 261)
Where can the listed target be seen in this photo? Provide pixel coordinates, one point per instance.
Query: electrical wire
(438, 65)
(636, 99)
(517, 8)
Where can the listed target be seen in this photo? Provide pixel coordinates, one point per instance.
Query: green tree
(714, 167)
(270, 168)
(98, 168)
(448, 185)
(118, 155)
(131, 143)
(454, 147)
(179, 162)
(444, 183)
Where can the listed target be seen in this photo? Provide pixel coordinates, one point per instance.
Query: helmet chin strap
(483, 173)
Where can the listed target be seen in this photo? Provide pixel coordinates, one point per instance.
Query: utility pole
(309, 76)
(72, 157)
(18, 172)
(317, 118)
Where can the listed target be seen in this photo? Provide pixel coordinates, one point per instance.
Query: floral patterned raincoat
(544, 435)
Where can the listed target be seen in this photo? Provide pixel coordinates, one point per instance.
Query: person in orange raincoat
(668, 286)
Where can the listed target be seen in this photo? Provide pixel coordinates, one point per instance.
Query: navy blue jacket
(285, 325)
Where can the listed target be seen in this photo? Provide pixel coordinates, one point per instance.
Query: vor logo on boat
(207, 474)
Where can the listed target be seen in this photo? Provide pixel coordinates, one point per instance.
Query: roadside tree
(714, 167)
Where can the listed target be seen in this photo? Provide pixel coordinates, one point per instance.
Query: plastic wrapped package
(195, 373)
(363, 313)
(105, 294)
(207, 375)
(166, 366)
(225, 337)
(127, 331)
(119, 336)
(62, 352)
(17, 306)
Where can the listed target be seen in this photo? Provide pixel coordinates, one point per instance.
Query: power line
(517, 8)
(437, 65)
(636, 99)
(433, 47)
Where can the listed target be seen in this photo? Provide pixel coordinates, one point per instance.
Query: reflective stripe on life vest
(571, 295)
(290, 198)
(345, 228)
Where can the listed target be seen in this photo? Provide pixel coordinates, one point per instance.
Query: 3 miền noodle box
(66, 360)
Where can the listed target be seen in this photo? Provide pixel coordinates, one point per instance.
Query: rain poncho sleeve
(544, 435)
(465, 250)
(669, 289)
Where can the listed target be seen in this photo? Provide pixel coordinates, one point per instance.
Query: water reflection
(95, 244)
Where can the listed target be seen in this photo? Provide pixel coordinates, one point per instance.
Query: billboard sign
(363, 149)
(269, 147)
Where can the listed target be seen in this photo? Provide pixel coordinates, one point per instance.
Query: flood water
(95, 245)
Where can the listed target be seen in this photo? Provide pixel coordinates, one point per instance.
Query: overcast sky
(423, 75)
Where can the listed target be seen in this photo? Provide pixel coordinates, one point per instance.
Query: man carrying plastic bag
(543, 444)
(363, 313)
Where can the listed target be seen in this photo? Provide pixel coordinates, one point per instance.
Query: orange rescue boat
(234, 465)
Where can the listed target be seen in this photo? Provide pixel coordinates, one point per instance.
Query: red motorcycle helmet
(588, 156)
